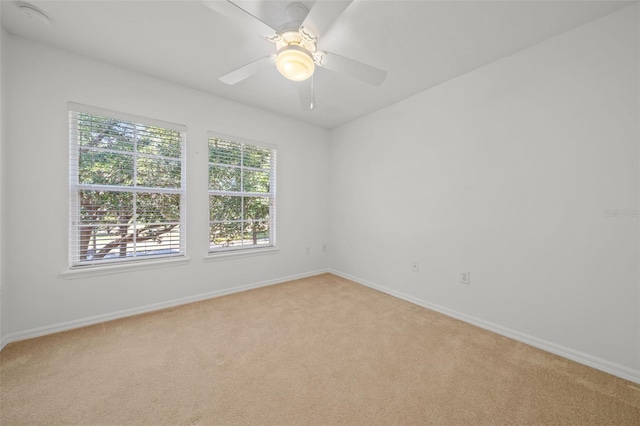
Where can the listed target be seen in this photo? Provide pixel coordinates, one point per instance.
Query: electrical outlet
(415, 266)
(308, 250)
(465, 277)
(324, 247)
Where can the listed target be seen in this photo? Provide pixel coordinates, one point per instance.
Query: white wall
(40, 82)
(2, 300)
(506, 172)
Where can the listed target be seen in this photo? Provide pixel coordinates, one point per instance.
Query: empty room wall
(510, 173)
(40, 82)
(2, 300)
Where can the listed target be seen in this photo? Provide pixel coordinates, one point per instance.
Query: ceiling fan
(296, 43)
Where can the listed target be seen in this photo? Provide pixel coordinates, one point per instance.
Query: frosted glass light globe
(295, 63)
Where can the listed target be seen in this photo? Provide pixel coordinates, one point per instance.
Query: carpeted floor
(321, 350)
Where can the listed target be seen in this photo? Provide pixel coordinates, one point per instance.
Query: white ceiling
(420, 43)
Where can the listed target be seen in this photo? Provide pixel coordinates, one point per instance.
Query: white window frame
(75, 186)
(223, 252)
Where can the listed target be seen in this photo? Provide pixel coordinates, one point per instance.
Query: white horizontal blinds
(241, 195)
(126, 188)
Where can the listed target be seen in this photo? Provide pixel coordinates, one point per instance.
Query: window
(241, 195)
(127, 187)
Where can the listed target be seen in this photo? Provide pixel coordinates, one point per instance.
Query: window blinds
(242, 183)
(127, 187)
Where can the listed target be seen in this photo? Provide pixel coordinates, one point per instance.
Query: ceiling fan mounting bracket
(306, 35)
(274, 38)
(318, 57)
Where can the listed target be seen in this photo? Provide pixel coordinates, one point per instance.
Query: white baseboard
(83, 322)
(4, 342)
(577, 356)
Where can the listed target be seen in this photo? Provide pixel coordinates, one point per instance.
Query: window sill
(235, 254)
(117, 269)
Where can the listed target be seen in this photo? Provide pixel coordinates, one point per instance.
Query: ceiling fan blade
(248, 70)
(352, 68)
(241, 17)
(307, 96)
(322, 15)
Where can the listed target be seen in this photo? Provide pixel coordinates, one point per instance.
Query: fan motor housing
(295, 37)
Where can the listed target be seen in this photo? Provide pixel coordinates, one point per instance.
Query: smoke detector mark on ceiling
(34, 13)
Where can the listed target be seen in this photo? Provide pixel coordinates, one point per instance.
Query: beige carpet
(321, 350)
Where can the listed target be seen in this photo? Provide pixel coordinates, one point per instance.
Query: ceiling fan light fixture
(295, 62)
